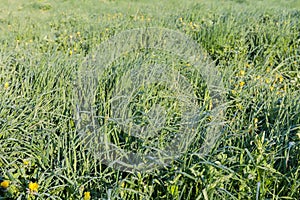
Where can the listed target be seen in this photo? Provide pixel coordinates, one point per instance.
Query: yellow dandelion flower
(5, 184)
(242, 83)
(33, 187)
(280, 79)
(6, 85)
(123, 184)
(242, 73)
(87, 196)
(271, 88)
(71, 52)
(25, 162)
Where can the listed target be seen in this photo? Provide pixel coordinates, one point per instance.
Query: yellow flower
(25, 162)
(242, 83)
(5, 184)
(6, 85)
(87, 196)
(33, 187)
(271, 88)
(123, 184)
(280, 79)
(242, 73)
(71, 52)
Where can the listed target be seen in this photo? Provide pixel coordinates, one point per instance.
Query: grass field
(255, 46)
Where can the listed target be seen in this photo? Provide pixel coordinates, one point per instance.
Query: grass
(45, 43)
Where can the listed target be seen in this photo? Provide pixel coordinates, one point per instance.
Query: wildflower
(87, 196)
(271, 88)
(25, 162)
(71, 52)
(5, 184)
(268, 69)
(242, 83)
(33, 187)
(6, 85)
(123, 184)
(242, 73)
(280, 79)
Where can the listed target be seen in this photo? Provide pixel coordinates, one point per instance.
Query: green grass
(254, 44)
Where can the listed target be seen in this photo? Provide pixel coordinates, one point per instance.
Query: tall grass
(44, 43)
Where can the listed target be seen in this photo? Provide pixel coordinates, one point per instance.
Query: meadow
(254, 45)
